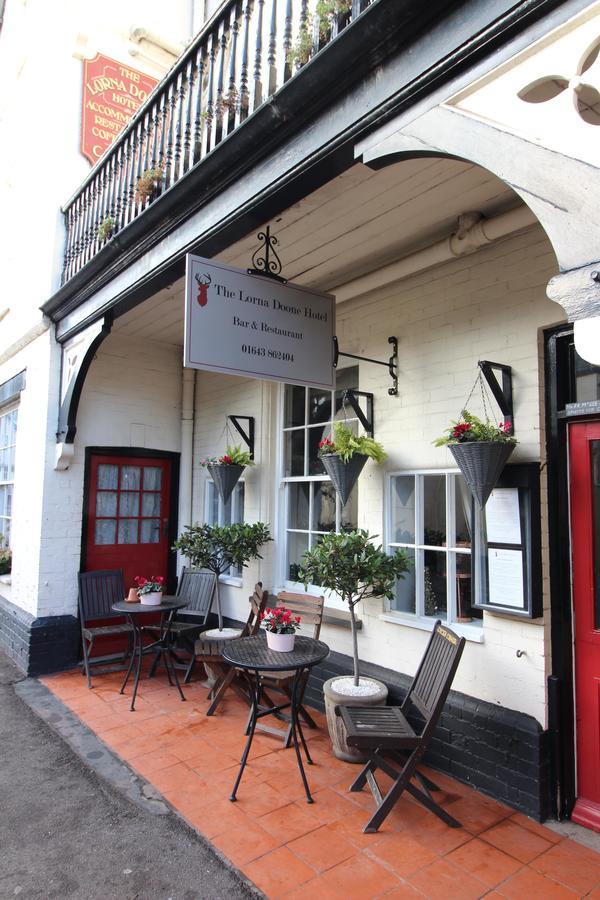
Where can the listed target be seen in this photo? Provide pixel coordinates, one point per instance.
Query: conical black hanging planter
(481, 462)
(225, 478)
(344, 475)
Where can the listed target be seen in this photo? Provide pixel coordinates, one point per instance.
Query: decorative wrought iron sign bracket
(503, 393)
(391, 365)
(247, 436)
(365, 419)
(265, 260)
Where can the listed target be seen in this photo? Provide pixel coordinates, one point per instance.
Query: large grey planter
(481, 462)
(344, 475)
(335, 724)
(225, 478)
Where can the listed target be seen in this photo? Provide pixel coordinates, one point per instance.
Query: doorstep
(291, 849)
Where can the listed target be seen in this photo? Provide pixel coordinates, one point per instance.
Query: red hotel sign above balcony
(112, 94)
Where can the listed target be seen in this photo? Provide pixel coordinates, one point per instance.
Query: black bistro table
(253, 656)
(134, 611)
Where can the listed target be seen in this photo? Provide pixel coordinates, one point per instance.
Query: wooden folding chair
(197, 586)
(210, 651)
(97, 593)
(310, 610)
(384, 731)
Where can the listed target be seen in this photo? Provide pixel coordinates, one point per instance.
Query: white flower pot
(283, 643)
(154, 598)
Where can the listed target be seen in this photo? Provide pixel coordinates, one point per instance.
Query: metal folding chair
(385, 732)
(97, 593)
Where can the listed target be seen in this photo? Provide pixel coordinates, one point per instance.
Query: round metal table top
(168, 604)
(253, 653)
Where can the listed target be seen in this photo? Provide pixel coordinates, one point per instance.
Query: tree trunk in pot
(337, 732)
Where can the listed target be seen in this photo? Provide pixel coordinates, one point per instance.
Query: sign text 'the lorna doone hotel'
(242, 324)
(112, 94)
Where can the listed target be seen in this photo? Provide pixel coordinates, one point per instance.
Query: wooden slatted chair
(210, 651)
(310, 610)
(197, 586)
(384, 731)
(97, 593)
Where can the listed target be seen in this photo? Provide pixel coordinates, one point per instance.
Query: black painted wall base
(38, 646)
(500, 752)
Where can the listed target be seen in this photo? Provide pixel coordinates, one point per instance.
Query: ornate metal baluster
(147, 139)
(111, 193)
(187, 135)
(155, 143)
(199, 118)
(244, 69)
(272, 52)
(137, 170)
(129, 188)
(120, 187)
(164, 127)
(287, 41)
(178, 126)
(68, 254)
(231, 117)
(78, 244)
(258, 92)
(219, 106)
(172, 103)
(87, 219)
(208, 142)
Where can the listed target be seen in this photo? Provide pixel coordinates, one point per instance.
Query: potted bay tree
(355, 568)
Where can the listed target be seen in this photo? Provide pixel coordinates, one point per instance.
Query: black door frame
(145, 453)
(561, 410)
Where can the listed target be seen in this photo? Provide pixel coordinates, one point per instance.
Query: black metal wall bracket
(391, 365)
(503, 393)
(266, 262)
(247, 436)
(365, 419)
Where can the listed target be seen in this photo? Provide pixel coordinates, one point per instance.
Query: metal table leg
(255, 687)
(297, 730)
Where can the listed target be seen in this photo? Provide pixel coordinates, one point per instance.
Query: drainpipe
(188, 384)
(473, 232)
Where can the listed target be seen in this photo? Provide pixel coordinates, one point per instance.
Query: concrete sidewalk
(66, 833)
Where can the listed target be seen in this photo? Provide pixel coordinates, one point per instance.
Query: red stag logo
(203, 282)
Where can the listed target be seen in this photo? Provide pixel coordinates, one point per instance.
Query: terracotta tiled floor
(294, 850)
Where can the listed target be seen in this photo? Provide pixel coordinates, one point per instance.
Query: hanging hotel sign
(112, 93)
(242, 324)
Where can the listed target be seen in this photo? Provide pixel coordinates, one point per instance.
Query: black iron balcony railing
(243, 55)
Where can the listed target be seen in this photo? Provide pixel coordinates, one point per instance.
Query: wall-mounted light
(587, 339)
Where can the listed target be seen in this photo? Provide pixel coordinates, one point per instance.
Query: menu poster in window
(505, 577)
(502, 517)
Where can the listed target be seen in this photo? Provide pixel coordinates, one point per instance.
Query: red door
(128, 515)
(584, 454)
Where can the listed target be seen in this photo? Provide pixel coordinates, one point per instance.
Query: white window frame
(234, 576)
(418, 619)
(285, 583)
(10, 408)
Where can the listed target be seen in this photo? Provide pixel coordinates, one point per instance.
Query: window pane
(130, 478)
(294, 405)
(435, 583)
(350, 511)
(213, 503)
(463, 505)
(151, 504)
(227, 511)
(105, 531)
(152, 478)
(240, 496)
(434, 510)
(319, 406)
(403, 510)
(4, 499)
(128, 531)
(463, 587)
(4, 533)
(297, 546)
(129, 504)
(315, 436)
(106, 503)
(149, 532)
(298, 505)
(405, 597)
(294, 453)
(108, 477)
(324, 499)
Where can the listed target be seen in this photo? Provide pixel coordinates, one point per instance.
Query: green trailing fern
(470, 429)
(345, 444)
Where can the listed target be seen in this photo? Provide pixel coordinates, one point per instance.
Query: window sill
(472, 633)
(5, 579)
(339, 617)
(229, 579)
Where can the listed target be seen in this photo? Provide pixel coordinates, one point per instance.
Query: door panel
(128, 515)
(584, 461)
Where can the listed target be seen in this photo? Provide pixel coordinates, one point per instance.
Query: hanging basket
(344, 475)
(481, 462)
(225, 478)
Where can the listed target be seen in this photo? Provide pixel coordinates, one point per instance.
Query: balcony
(243, 56)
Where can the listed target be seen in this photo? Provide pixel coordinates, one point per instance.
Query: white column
(188, 384)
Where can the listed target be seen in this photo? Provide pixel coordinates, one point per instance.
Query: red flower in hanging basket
(226, 460)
